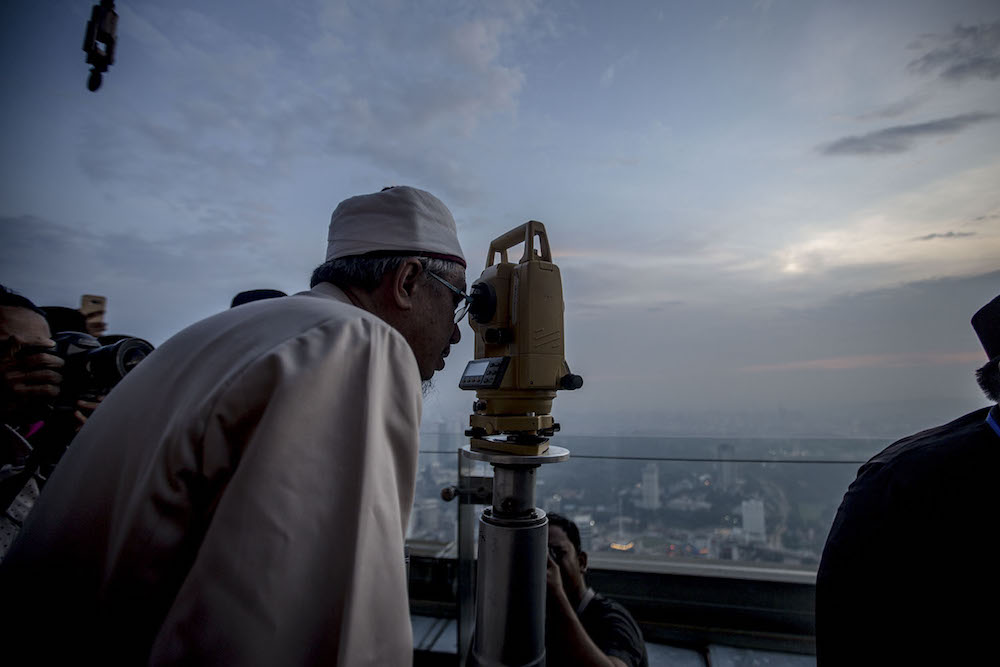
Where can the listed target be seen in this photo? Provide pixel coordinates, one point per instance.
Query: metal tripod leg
(513, 543)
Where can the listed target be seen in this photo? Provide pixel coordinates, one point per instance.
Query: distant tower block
(585, 522)
(727, 453)
(753, 520)
(443, 436)
(651, 486)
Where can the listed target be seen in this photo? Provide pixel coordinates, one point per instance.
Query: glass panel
(754, 501)
(433, 522)
(648, 500)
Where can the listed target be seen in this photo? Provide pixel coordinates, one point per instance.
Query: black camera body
(92, 369)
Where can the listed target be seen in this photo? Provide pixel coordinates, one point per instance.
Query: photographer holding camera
(51, 384)
(30, 382)
(30, 376)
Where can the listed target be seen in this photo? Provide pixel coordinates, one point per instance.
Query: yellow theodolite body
(517, 316)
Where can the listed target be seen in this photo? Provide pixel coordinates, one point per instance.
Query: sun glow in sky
(756, 206)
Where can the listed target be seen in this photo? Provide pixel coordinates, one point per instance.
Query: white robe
(241, 498)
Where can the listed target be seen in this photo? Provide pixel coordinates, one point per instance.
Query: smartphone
(93, 307)
(91, 304)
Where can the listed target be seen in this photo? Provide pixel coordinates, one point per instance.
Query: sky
(771, 217)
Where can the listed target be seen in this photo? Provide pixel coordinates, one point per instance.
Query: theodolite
(519, 365)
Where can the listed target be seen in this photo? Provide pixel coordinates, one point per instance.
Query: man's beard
(988, 377)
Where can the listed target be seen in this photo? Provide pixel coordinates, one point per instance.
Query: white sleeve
(302, 561)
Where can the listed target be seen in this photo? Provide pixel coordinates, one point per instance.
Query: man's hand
(571, 640)
(34, 375)
(28, 380)
(84, 410)
(553, 578)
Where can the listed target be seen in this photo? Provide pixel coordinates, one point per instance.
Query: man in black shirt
(907, 577)
(582, 627)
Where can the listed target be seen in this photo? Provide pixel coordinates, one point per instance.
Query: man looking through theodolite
(242, 497)
(584, 627)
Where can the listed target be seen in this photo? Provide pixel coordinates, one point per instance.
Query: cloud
(946, 235)
(611, 71)
(909, 325)
(911, 339)
(763, 6)
(844, 249)
(245, 108)
(895, 109)
(154, 287)
(853, 362)
(971, 52)
(901, 138)
(874, 244)
(608, 76)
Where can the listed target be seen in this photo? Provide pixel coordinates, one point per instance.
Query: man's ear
(404, 282)
(582, 559)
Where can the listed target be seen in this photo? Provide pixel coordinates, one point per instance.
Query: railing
(771, 509)
(702, 549)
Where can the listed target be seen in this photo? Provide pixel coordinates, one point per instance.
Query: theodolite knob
(570, 381)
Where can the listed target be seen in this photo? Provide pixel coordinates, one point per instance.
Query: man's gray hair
(366, 272)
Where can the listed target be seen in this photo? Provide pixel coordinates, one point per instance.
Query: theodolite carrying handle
(526, 234)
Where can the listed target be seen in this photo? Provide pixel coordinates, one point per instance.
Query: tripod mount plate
(552, 455)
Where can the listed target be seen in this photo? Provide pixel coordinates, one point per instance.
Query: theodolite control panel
(484, 373)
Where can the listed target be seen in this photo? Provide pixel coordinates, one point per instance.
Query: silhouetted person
(907, 575)
(29, 381)
(61, 318)
(255, 295)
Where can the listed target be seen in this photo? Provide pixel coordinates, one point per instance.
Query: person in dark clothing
(252, 295)
(29, 381)
(906, 576)
(61, 318)
(583, 627)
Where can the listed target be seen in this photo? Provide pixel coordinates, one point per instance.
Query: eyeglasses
(463, 307)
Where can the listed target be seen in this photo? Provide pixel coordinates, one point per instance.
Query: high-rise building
(753, 520)
(585, 522)
(650, 499)
(728, 473)
(426, 519)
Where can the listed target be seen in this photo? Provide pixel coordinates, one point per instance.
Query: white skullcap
(398, 219)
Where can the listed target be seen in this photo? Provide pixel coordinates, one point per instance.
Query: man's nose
(456, 335)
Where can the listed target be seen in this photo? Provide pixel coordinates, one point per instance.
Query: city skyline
(759, 501)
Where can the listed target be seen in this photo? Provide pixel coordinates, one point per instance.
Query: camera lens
(129, 353)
